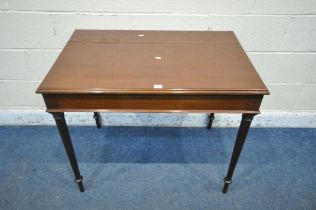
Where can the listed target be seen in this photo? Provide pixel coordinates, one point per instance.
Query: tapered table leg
(97, 118)
(210, 120)
(241, 137)
(64, 134)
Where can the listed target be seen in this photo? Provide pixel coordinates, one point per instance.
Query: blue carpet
(157, 168)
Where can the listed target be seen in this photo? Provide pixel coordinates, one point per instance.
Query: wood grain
(153, 103)
(195, 62)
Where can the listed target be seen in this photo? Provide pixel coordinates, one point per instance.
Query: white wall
(278, 35)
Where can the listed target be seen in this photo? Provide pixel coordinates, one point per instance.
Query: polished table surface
(134, 61)
(152, 71)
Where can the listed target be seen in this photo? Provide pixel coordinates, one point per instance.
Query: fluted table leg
(64, 134)
(210, 121)
(97, 118)
(240, 140)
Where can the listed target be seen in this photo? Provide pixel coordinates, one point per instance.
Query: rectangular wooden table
(153, 71)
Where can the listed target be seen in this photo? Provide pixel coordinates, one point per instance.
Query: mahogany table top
(139, 62)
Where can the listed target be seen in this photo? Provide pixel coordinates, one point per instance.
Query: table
(153, 71)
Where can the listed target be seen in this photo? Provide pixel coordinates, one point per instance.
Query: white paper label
(157, 86)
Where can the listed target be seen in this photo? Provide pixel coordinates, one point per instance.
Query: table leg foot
(226, 184)
(97, 118)
(80, 184)
(240, 140)
(210, 121)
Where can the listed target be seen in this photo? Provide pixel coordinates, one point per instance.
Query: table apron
(152, 103)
